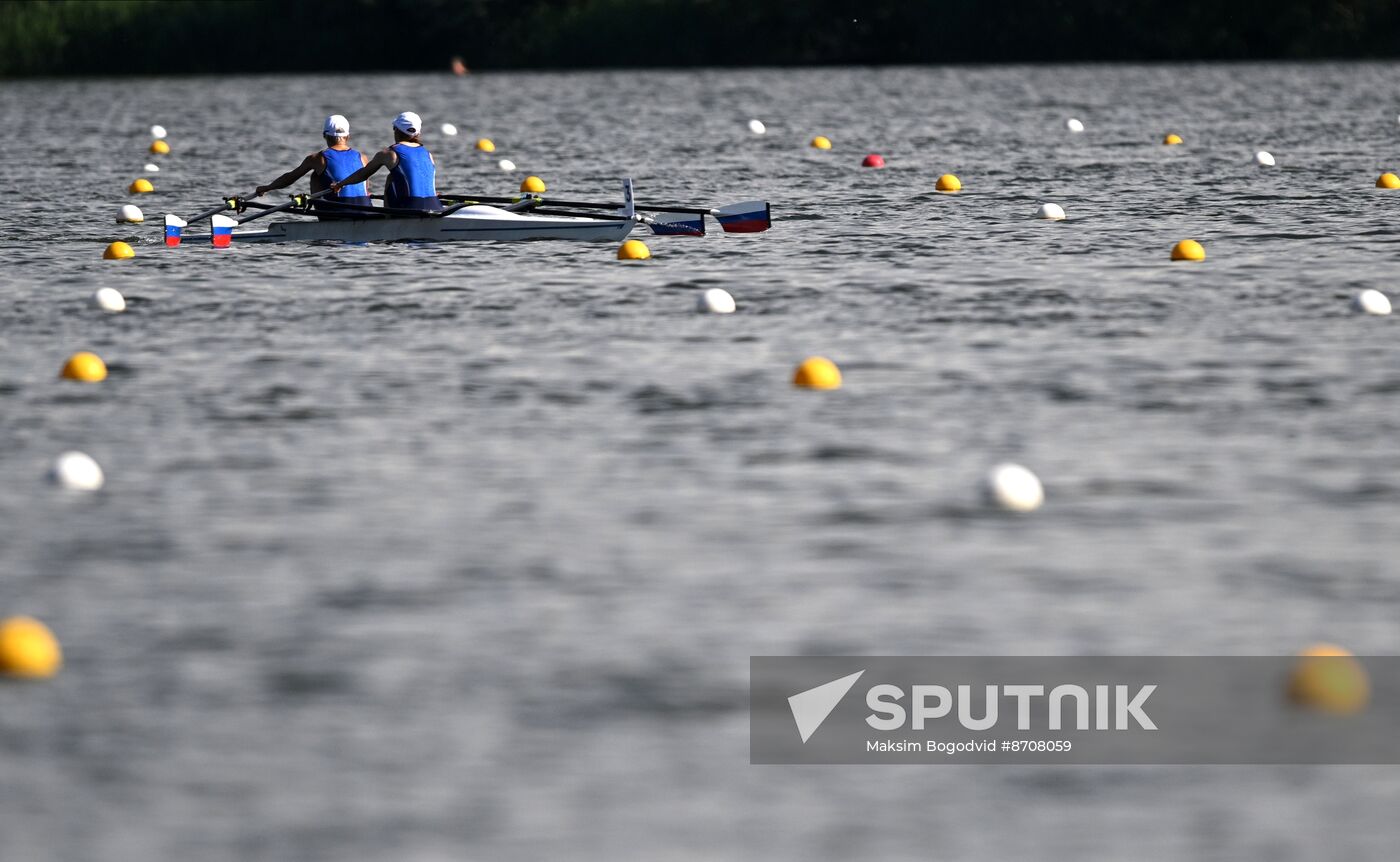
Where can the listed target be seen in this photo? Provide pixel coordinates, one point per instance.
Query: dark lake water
(460, 552)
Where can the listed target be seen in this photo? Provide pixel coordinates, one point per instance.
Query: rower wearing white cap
(336, 162)
(412, 173)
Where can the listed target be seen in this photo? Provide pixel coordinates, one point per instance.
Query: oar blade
(747, 217)
(173, 227)
(676, 224)
(221, 230)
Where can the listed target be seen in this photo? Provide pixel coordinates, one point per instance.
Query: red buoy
(874, 160)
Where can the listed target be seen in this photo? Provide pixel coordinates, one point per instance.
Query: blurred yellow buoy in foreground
(485, 145)
(160, 148)
(1172, 139)
(85, 367)
(28, 649)
(1188, 249)
(817, 372)
(821, 142)
(949, 183)
(1388, 181)
(118, 251)
(1330, 679)
(534, 185)
(633, 249)
(141, 186)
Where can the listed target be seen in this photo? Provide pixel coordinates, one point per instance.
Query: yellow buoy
(118, 251)
(141, 186)
(1188, 249)
(534, 185)
(1388, 181)
(160, 148)
(633, 249)
(485, 145)
(821, 142)
(1172, 139)
(85, 367)
(817, 372)
(1330, 679)
(28, 649)
(949, 183)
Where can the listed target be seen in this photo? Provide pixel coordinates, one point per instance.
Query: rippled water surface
(460, 551)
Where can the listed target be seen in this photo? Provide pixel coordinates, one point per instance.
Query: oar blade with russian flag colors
(676, 224)
(173, 226)
(747, 217)
(221, 230)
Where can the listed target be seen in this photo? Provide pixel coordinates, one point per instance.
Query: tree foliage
(74, 37)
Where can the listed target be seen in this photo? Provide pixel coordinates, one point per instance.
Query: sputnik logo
(811, 707)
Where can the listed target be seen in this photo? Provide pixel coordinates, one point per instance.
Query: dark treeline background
(78, 37)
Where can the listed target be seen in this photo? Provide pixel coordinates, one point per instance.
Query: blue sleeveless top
(412, 182)
(339, 165)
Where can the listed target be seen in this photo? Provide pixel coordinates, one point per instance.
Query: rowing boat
(470, 222)
(463, 219)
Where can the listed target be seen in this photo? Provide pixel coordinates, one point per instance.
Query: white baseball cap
(336, 126)
(409, 123)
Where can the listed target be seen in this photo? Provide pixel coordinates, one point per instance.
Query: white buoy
(1054, 212)
(76, 471)
(130, 214)
(109, 299)
(757, 127)
(158, 132)
(449, 129)
(152, 168)
(1074, 125)
(716, 300)
(1371, 302)
(506, 165)
(1014, 488)
(1264, 159)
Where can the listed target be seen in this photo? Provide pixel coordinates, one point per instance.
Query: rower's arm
(383, 158)
(307, 164)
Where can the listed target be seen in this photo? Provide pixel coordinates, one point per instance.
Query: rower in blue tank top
(412, 173)
(332, 164)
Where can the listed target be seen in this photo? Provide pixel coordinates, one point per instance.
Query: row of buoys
(130, 213)
(28, 648)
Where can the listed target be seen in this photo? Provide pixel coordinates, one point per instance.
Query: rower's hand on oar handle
(337, 186)
(261, 190)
